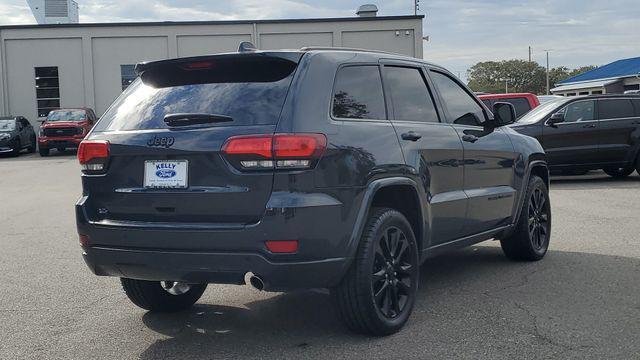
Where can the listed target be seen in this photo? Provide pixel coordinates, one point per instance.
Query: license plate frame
(161, 177)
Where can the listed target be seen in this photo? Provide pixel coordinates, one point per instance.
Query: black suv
(318, 168)
(16, 134)
(588, 133)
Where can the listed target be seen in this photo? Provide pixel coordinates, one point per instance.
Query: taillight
(279, 151)
(93, 155)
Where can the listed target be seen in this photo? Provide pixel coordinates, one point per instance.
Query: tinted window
(615, 108)
(411, 98)
(358, 93)
(521, 104)
(579, 111)
(251, 92)
(462, 108)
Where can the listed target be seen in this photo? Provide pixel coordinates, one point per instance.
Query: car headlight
(4, 136)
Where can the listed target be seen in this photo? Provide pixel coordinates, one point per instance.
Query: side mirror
(555, 119)
(503, 114)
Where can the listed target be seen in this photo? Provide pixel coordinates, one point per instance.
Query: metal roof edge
(211, 22)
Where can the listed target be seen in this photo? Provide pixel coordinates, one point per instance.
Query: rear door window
(461, 107)
(615, 109)
(251, 91)
(412, 100)
(358, 93)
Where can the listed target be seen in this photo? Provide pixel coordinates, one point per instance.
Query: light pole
(547, 51)
(416, 6)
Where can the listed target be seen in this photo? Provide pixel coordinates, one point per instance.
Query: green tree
(519, 75)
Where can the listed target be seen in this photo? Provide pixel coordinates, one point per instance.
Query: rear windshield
(249, 93)
(67, 115)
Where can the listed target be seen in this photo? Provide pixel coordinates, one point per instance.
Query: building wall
(89, 57)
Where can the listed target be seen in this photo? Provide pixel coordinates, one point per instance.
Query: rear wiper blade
(185, 119)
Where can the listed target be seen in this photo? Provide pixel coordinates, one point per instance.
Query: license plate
(166, 173)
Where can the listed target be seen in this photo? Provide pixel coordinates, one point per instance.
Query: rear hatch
(166, 132)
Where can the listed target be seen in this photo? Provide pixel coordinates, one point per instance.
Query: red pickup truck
(65, 128)
(523, 102)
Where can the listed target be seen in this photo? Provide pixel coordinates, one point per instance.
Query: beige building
(88, 65)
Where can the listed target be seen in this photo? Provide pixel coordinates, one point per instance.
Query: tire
(17, 147)
(619, 172)
(152, 296)
(32, 147)
(530, 239)
(371, 274)
(44, 151)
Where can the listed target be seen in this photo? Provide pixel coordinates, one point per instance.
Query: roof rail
(311, 48)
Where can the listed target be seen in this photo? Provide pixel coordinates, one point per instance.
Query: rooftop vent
(367, 10)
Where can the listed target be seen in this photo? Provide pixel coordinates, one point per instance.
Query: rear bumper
(208, 267)
(224, 253)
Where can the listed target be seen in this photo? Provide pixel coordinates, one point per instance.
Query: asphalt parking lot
(581, 301)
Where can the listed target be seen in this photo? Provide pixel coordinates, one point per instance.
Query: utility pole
(416, 6)
(506, 86)
(529, 53)
(548, 71)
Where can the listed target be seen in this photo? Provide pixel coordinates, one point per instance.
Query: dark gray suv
(16, 134)
(317, 168)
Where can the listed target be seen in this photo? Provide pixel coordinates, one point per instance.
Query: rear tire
(619, 172)
(377, 294)
(44, 151)
(530, 240)
(152, 296)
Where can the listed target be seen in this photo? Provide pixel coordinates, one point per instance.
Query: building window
(127, 74)
(584, 93)
(47, 89)
(594, 92)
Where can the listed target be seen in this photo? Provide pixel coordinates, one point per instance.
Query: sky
(461, 32)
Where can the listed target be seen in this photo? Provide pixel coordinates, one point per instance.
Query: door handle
(411, 136)
(469, 138)
(589, 126)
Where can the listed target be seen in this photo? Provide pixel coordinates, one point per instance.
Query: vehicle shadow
(548, 305)
(594, 180)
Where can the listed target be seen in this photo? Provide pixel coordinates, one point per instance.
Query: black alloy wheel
(392, 277)
(538, 220)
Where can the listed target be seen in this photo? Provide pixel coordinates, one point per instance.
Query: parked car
(546, 98)
(65, 128)
(523, 102)
(296, 170)
(16, 134)
(588, 133)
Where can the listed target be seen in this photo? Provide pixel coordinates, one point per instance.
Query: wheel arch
(538, 167)
(399, 193)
